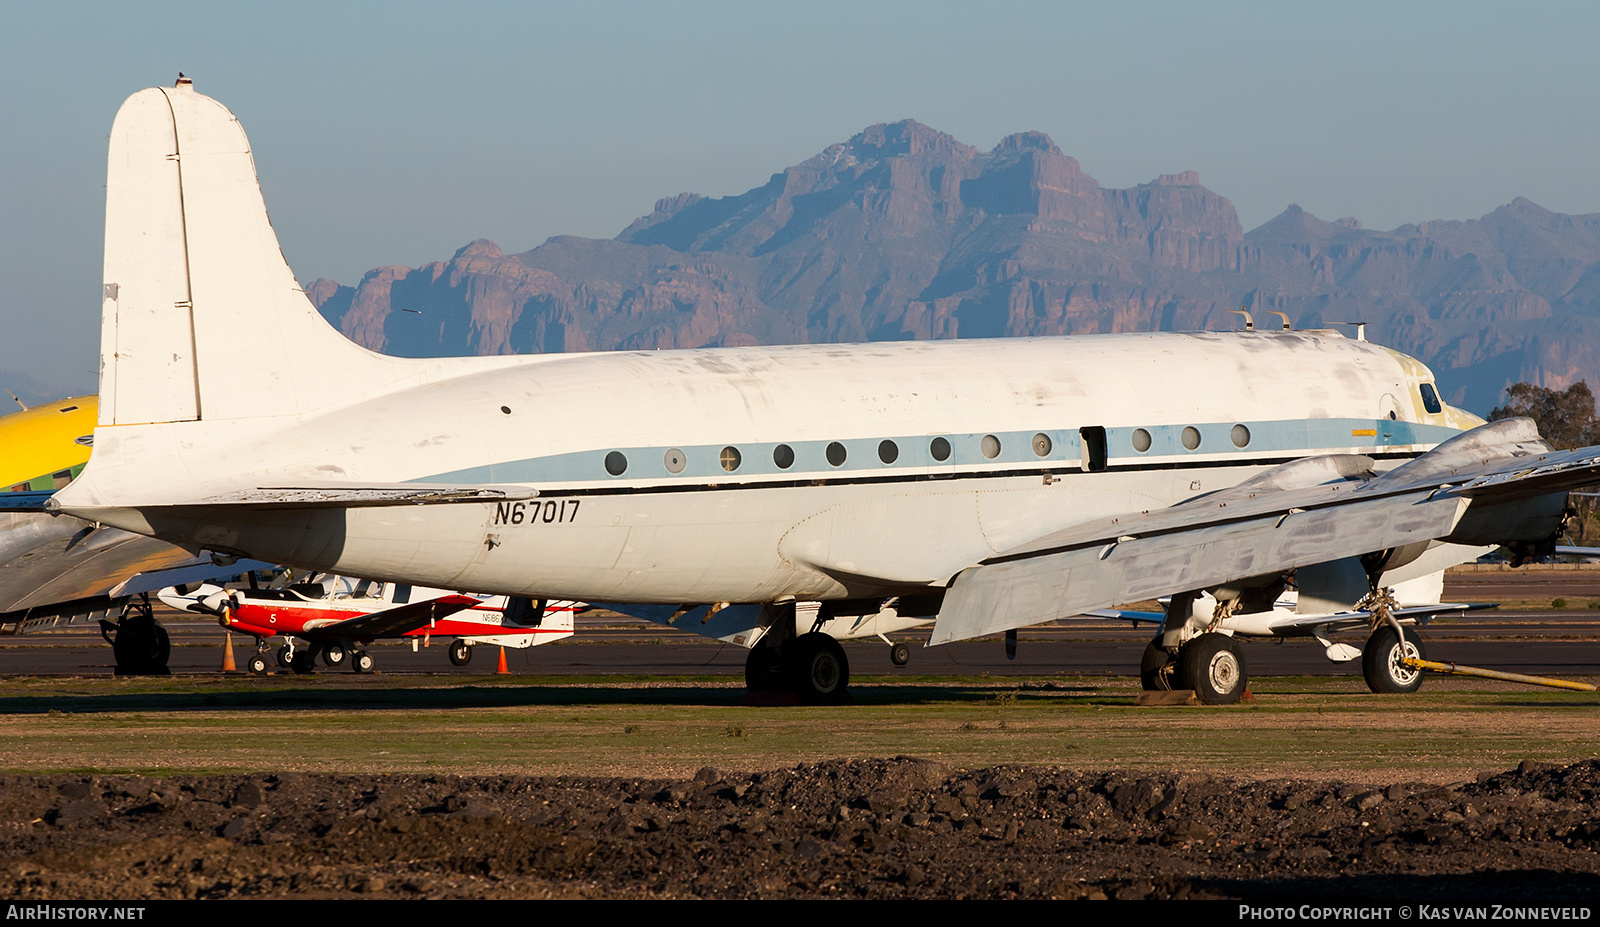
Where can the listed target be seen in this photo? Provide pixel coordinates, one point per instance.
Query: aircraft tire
(1156, 669)
(333, 655)
(284, 656)
(1213, 667)
(361, 661)
(460, 652)
(763, 669)
(257, 665)
(1380, 662)
(305, 661)
(818, 670)
(899, 654)
(141, 648)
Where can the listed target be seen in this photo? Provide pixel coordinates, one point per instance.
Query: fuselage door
(1093, 442)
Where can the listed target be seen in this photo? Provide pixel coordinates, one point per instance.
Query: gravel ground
(893, 828)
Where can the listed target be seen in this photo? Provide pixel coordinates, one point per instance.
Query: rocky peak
(1027, 141)
(904, 138)
(479, 248)
(1183, 179)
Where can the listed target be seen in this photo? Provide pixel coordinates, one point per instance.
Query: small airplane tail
(201, 317)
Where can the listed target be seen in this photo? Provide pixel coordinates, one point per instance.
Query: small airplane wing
(740, 623)
(1497, 483)
(392, 622)
(1361, 618)
(1122, 614)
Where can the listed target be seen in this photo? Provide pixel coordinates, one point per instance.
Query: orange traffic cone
(502, 669)
(227, 653)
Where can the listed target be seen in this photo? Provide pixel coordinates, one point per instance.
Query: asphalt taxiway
(1546, 642)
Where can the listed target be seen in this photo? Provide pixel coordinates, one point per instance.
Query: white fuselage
(675, 519)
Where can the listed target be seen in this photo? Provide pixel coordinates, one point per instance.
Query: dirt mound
(893, 828)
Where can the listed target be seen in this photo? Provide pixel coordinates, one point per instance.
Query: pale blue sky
(394, 133)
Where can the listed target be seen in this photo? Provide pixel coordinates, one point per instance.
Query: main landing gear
(303, 659)
(139, 643)
(1211, 664)
(811, 666)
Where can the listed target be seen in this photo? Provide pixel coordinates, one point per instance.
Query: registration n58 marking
(550, 512)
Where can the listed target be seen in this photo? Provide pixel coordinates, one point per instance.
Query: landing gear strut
(1157, 669)
(140, 644)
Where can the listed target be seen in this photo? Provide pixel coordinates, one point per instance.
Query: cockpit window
(1430, 399)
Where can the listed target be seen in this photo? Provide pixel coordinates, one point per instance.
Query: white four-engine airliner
(990, 484)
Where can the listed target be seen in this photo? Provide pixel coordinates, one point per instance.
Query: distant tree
(1565, 418)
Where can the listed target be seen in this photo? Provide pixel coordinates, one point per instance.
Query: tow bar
(1458, 670)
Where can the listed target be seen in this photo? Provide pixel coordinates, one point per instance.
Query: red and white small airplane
(332, 615)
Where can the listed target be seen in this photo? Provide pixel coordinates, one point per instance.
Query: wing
(1498, 483)
(393, 622)
(1362, 619)
(62, 559)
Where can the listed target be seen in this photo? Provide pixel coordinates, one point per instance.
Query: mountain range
(904, 232)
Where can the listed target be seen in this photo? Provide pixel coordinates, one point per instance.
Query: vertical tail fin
(202, 318)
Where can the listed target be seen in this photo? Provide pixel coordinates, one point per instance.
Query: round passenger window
(616, 463)
(674, 460)
(783, 456)
(1042, 445)
(939, 448)
(888, 452)
(729, 458)
(836, 454)
(1141, 440)
(1191, 437)
(1240, 435)
(990, 445)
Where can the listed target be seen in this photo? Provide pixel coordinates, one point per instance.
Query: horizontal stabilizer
(24, 501)
(342, 496)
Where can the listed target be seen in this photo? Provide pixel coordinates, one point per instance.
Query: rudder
(202, 317)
